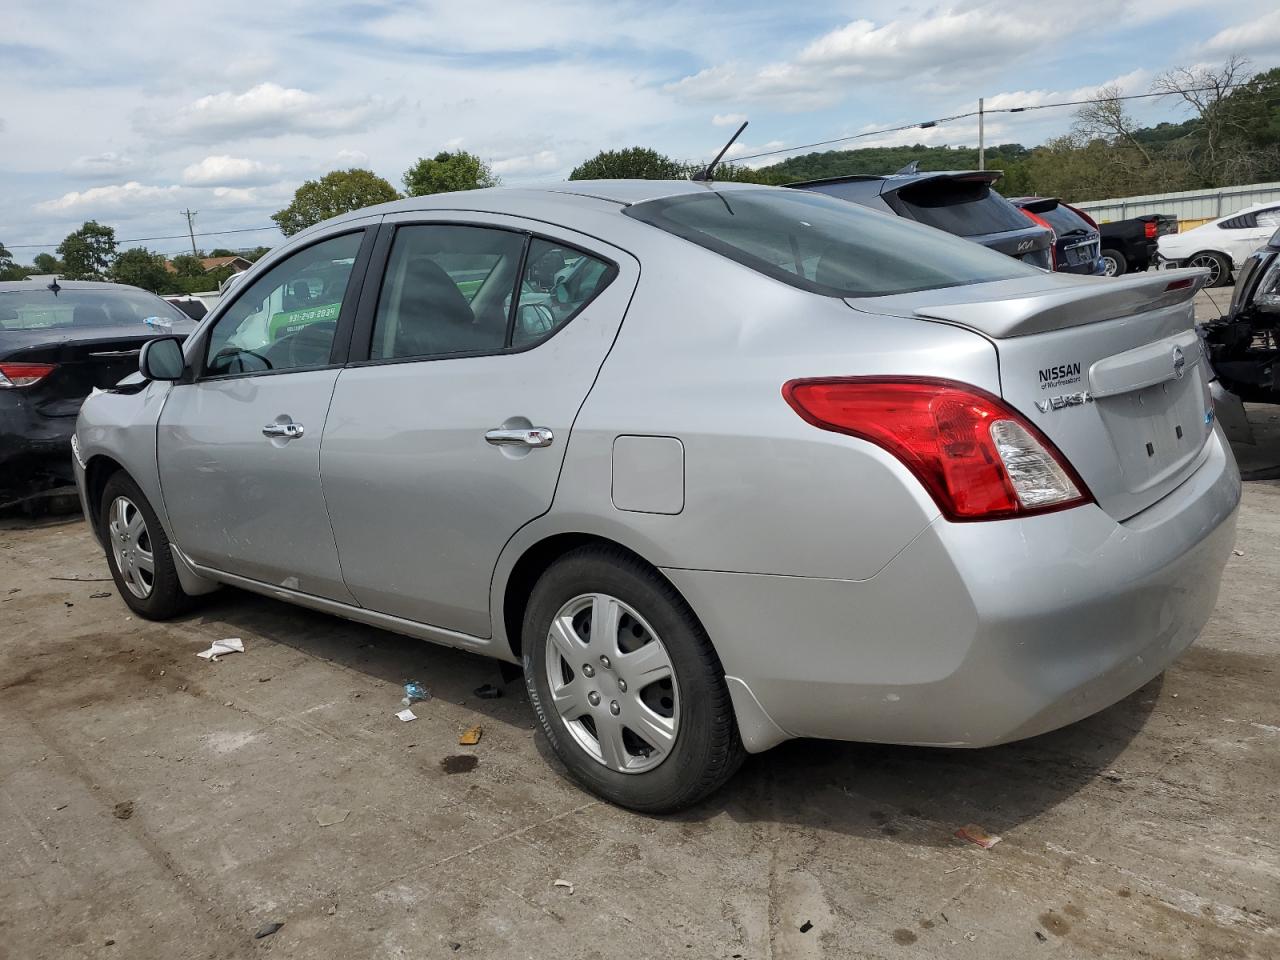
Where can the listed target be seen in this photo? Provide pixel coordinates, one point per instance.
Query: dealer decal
(1059, 376)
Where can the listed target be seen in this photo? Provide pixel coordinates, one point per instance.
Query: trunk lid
(1110, 369)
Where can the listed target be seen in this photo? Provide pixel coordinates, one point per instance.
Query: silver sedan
(719, 465)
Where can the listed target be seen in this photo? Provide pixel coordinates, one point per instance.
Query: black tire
(1117, 265)
(1219, 265)
(707, 750)
(166, 598)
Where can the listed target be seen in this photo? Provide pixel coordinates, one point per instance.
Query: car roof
(11, 286)
(896, 181)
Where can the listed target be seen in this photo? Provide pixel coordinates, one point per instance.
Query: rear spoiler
(1078, 302)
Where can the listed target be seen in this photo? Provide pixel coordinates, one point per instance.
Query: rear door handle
(524, 437)
(289, 431)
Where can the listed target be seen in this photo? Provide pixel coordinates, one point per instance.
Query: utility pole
(982, 143)
(190, 215)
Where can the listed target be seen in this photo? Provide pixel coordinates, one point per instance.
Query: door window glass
(558, 282)
(447, 290)
(287, 317)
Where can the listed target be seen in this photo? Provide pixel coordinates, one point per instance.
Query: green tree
(633, 163)
(186, 265)
(8, 269)
(87, 253)
(47, 263)
(140, 267)
(448, 171)
(335, 193)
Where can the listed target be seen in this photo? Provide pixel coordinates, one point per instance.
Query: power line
(177, 236)
(926, 124)
(190, 215)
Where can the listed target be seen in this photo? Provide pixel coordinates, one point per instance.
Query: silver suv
(718, 465)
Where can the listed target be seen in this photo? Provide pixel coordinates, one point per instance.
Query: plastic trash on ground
(414, 692)
(221, 648)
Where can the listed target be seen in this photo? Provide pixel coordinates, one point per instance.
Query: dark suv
(1077, 245)
(959, 202)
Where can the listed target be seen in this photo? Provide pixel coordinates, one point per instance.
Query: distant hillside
(883, 160)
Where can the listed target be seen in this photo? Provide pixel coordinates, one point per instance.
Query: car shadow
(913, 795)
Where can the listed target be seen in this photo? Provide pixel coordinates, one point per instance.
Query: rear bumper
(35, 451)
(976, 634)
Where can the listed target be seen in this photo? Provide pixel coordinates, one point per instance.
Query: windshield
(967, 208)
(826, 246)
(69, 309)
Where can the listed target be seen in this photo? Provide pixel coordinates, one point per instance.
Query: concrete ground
(157, 806)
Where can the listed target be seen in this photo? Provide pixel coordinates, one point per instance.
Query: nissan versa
(718, 464)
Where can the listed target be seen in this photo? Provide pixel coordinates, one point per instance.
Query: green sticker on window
(288, 323)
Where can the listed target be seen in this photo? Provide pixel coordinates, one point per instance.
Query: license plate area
(1158, 430)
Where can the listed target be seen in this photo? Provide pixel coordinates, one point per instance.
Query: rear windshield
(40, 308)
(967, 208)
(823, 245)
(1065, 222)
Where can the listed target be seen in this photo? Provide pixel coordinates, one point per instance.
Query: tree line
(1232, 137)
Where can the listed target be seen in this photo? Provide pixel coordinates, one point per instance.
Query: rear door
(239, 447)
(447, 430)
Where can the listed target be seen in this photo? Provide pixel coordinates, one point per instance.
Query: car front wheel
(626, 686)
(138, 552)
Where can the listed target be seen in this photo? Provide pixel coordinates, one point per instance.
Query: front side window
(823, 245)
(287, 318)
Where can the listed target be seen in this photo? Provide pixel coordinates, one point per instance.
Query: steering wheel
(311, 340)
(226, 353)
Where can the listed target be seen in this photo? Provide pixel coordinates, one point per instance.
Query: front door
(239, 447)
(449, 436)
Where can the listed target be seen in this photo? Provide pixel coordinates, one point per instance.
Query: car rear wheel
(138, 552)
(1114, 263)
(626, 686)
(1217, 264)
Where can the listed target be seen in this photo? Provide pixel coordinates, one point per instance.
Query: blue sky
(129, 113)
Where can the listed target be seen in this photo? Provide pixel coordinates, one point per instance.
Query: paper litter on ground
(222, 647)
(406, 715)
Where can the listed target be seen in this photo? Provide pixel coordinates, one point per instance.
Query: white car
(1222, 244)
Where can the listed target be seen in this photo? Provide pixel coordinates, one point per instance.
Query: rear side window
(967, 208)
(826, 246)
(558, 282)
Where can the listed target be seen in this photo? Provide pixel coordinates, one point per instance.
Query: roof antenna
(909, 169)
(53, 285)
(704, 175)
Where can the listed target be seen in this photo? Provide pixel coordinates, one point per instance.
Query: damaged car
(1244, 346)
(59, 341)
(715, 465)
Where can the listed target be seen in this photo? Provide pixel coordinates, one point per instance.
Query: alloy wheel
(612, 683)
(1110, 267)
(1212, 264)
(131, 547)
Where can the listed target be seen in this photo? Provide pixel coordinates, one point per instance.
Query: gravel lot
(155, 805)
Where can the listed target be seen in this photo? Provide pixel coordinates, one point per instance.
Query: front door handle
(288, 431)
(524, 437)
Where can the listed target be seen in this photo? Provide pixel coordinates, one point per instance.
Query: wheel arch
(97, 472)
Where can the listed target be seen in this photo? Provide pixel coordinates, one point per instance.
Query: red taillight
(1151, 229)
(23, 374)
(979, 459)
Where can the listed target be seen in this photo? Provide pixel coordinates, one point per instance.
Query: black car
(959, 202)
(1244, 346)
(58, 341)
(1131, 244)
(1076, 238)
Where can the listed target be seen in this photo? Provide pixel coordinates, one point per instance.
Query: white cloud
(1257, 35)
(112, 197)
(267, 110)
(728, 119)
(229, 171)
(544, 161)
(351, 158)
(105, 165)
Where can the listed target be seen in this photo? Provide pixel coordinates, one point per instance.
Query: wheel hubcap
(625, 712)
(131, 547)
(1109, 266)
(1211, 263)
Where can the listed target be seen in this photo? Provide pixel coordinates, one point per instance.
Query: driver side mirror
(162, 359)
